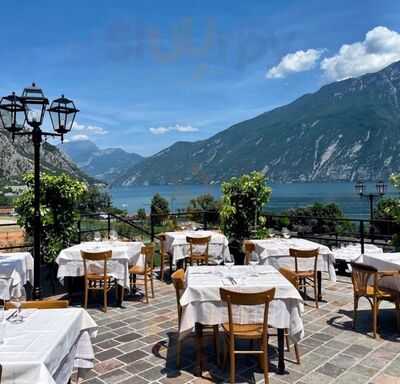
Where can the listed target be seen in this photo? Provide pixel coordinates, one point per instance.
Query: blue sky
(148, 73)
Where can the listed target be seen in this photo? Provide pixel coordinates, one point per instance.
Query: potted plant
(243, 198)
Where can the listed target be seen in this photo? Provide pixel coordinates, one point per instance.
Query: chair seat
(380, 293)
(137, 270)
(303, 274)
(251, 331)
(95, 276)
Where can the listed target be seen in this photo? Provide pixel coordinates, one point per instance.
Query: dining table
(47, 346)
(16, 270)
(177, 247)
(124, 255)
(275, 251)
(385, 262)
(202, 305)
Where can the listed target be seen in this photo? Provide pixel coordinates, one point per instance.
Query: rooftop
(135, 345)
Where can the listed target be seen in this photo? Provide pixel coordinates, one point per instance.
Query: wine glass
(285, 233)
(97, 236)
(253, 259)
(18, 295)
(229, 262)
(113, 235)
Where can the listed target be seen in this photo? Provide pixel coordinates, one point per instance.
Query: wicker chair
(366, 280)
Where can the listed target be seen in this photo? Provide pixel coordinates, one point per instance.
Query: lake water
(284, 196)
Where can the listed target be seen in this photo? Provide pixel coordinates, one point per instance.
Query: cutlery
(9, 317)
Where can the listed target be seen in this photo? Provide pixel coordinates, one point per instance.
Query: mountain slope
(103, 164)
(16, 159)
(346, 130)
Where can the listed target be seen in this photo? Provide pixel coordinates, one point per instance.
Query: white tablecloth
(16, 269)
(176, 245)
(385, 262)
(124, 254)
(353, 252)
(47, 346)
(275, 252)
(202, 304)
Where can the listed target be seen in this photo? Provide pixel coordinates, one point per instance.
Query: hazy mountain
(102, 164)
(16, 159)
(346, 130)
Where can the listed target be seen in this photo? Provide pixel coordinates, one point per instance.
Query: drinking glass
(97, 236)
(253, 259)
(2, 324)
(285, 233)
(17, 296)
(229, 262)
(113, 235)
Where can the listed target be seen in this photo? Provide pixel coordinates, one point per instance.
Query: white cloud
(176, 128)
(295, 62)
(79, 138)
(380, 48)
(88, 129)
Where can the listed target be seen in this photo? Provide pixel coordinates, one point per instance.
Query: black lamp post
(362, 191)
(23, 116)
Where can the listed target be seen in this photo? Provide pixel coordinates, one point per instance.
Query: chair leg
(297, 353)
(86, 294)
(105, 296)
(287, 341)
(266, 365)
(316, 291)
(398, 315)
(232, 363)
(356, 298)
(146, 293)
(152, 286)
(162, 267)
(375, 317)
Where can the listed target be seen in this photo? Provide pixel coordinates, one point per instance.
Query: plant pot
(236, 250)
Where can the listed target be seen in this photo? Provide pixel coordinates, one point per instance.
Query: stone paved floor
(135, 345)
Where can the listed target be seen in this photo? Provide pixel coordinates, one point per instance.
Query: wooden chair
(45, 304)
(259, 332)
(199, 257)
(178, 280)
(165, 257)
(366, 280)
(146, 271)
(306, 278)
(292, 277)
(249, 248)
(98, 281)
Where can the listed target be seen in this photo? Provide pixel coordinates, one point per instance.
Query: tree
(59, 197)
(141, 214)
(204, 204)
(243, 198)
(159, 208)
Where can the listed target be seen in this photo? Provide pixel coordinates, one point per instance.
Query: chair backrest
(363, 275)
(289, 275)
(148, 252)
(178, 280)
(249, 248)
(304, 254)
(45, 304)
(95, 256)
(198, 242)
(242, 298)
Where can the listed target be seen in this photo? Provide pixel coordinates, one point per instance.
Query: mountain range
(102, 164)
(16, 158)
(346, 130)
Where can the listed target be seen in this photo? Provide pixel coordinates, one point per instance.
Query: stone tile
(128, 337)
(331, 370)
(386, 379)
(115, 376)
(133, 356)
(152, 374)
(108, 354)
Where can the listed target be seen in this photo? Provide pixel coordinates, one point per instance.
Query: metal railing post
(362, 240)
(151, 227)
(108, 225)
(205, 224)
(79, 231)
